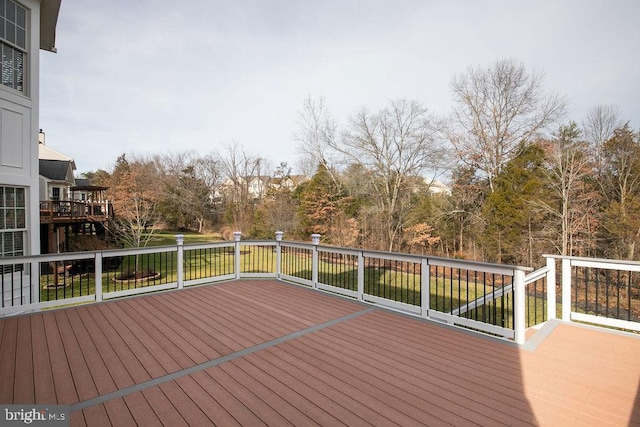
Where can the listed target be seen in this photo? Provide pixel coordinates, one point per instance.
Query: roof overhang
(49, 10)
(89, 188)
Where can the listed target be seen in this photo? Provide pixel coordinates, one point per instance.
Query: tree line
(524, 180)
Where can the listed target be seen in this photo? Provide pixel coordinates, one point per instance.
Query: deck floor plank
(271, 396)
(164, 350)
(66, 392)
(396, 362)
(24, 388)
(80, 371)
(313, 377)
(307, 386)
(118, 412)
(96, 416)
(415, 381)
(269, 383)
(8, 358)
(141, 411)
(227, 400)
(214, 411)
(45, 390)
(125, 349)
(99, 372)
(134, 338)
(114, 365)
(248, 399)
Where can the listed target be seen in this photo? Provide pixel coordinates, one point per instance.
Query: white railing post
(551, 288)
(236, 239)
(180, 244)
(566, 289)
(279, 235)
(360, 276)
(519, 305)
(97, 274)
(425, 288)
(315, 241)
(34, 278)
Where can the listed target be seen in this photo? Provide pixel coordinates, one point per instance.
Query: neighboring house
(26, 26)
(256, 186)
(67, 205)
(56, 180)
(436, 187)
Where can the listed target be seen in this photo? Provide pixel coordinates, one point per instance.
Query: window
(55, 193)
(13, 224)
(13, 43)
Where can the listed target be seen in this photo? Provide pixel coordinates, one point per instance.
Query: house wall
(19, 130)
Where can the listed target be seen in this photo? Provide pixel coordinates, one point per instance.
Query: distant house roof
(48, 153)
(82, 182)
(56, 170)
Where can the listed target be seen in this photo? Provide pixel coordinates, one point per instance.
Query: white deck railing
(497, 299)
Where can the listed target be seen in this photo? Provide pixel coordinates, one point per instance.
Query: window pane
(2, 223)
(21, 17)
(20, 218)
(7, 65)
(19, 75)
(18, 243)
(10, 34)
(1, 27)
(8, 243)
(20, 200)
(1, 196)
(11, 11)
(10, 219)
(2, 2)
(10, 197)
(21, 38)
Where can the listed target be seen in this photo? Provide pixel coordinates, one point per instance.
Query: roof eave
(49, 10)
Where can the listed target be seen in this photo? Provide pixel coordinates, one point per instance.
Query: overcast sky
(149, 77)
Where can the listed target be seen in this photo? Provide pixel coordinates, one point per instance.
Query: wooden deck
(257, 352)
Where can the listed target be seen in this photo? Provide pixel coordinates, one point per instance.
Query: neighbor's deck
(260, 351)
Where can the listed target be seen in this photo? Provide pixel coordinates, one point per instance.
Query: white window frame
(13, 224)
(15, 45)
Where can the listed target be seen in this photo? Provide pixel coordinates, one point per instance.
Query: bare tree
(568, 165)
(600, 123)
(241, 185)
(316, 134)
(497, 108)
(395, 145)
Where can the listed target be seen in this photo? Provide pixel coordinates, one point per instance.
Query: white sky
(149, 77)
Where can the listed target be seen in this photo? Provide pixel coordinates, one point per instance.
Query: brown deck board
(124, 354)
(118, 412)
(66, 392)
(128, 335)
(80, 372)
(141, 410)
(230, 403)
(116, 367)
(99, 372)
(23, 388)
(270, 396)
(42, 376)
(214, 411)
(8, 359)
(373, 367)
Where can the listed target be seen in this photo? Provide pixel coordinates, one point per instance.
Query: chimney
(41, 137)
